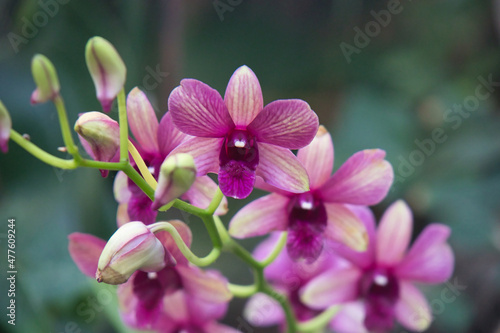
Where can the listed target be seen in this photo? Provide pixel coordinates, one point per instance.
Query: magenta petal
(139, 209)
(262, 310)
(394, 234)
(85, 251)
(430, 259)
(260, 217)
(317, 158)
(412, 309)
(279, 167)
(209, 285)
(142, 120)
(205, 152)
(199, 110)
(169, 136)
(332, 287)
(304, 243)
(287, 123)
(362, 259)
(364, 179)
(345, 227)
(201, 193)
(243, 96)
(349, 319)
(236, 179)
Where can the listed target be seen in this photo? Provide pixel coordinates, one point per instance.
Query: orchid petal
(412, 309)
(361, 259)
(122, 214)
(205, 152)
(349, 319)
(214, 327)
(120, 188)
(169, 243)
(332, 287)
(364, 179)
(345, 227)
(142, 120)
(139, 209)
(430, 259)
(199, 110)
(169, 135)
(243, 96)
(261, 184)
(262, 310)
(85, 251)
(260, 217)
(201, 193)
(394, 234)
(281, 168)
(236, 179)
(286, 123)
(317, 158)
(207, 285)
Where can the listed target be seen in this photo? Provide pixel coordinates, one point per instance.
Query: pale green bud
(46, 80)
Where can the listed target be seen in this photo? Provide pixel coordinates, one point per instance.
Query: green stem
(65, 129)
(243, 291)
(139, 181)
(122, 117)
(319, 321)
(182, 205)
(41, 154)
(291, 322)
(214, 204)
(212, 230)
(202, 262)
(276, 251)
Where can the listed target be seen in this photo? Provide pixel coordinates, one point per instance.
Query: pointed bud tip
(46, 80)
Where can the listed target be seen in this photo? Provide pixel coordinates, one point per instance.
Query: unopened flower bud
(132, 247)
(107, 70)
(46, 80)
(5, 127)
(99, 135)
(177, 174)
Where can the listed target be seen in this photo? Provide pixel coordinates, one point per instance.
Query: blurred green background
(400, 84)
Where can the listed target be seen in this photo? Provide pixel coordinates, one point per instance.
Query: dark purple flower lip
(151, 287)
(380, 289)
(239, 158)
(307, 222)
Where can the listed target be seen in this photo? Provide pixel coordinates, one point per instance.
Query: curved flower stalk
(5, 127)
(239, 139)
(154, 142)
(148, 300)
(322, 212)
(287, 276)
(382, 278)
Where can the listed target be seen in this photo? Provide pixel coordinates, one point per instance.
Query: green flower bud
(107, 70)
(46, 80)
(177, 174)
(132, 247)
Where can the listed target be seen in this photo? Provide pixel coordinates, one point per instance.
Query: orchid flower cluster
(325, 263)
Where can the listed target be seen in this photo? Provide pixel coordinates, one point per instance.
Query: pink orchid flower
(322, 212)
(154, 141)
(383, 277)
(288, 277)
(150, 300)
(238, 138)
